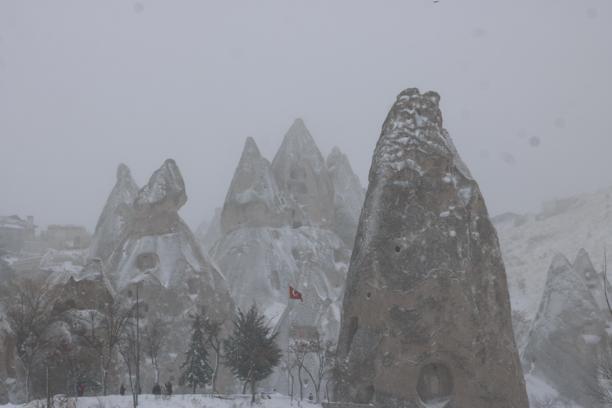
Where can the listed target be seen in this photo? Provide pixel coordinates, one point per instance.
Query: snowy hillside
(176, 401)
(529, 242)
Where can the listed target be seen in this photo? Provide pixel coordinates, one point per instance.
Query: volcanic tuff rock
(278, 231)
(530, 241)
(253, 199)
(264, 249)
(159, 254)
(426, 313)
(115, 214)
(300, 171)
(208, 232)
(348, 195)
(568, 336)
(159, 247)
(593, 279)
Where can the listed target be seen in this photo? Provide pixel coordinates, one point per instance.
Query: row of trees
(50, 332)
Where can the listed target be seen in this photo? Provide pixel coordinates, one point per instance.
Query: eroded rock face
(348, 196)
(159, 254)
(301, 173)
(279, 231)
(426, 312)
(208, 232)
(568, 337)
(270, 242)
(158, 246)
(115, 215)
(253, 199)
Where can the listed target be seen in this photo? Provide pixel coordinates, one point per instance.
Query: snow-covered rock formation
(209, 231)
(153, 251)
(569, 338)
(115, 215)
(349, 195)
(529, 242)
(426, 314)
(279, 230)
(301, 173)
(159, 249)
(253, 199)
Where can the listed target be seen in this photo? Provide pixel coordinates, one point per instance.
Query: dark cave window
(435, 383)
(147, 260)
(365, 395)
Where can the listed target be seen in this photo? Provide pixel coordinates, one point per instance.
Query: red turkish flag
(294, 294)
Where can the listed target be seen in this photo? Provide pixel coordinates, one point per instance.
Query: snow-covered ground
(176, 401)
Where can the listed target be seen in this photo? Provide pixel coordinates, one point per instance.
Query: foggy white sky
(85, 85)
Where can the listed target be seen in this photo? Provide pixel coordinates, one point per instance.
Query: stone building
(15, 232)
(66, 237)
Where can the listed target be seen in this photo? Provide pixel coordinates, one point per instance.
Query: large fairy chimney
(426, 314)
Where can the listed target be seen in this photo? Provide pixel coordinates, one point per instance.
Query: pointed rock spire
(165, 190)
(593, 279)
(301, 173)
(113, 219)
(253, 197)
(426, 314)
(159, 248)
(348, 195)
(568, 331)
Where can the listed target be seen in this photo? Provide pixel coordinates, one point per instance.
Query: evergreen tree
(197, 371)
(251, 352)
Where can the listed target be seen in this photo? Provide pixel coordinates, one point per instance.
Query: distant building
(66, 237)
(15, 232)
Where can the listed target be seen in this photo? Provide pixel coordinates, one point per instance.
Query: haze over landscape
(83, 86)
(392, 204)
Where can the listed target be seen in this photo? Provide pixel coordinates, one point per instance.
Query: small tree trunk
(47, 385)
(104, 380)
(134, 400)
(27, 384)
(301, 383)
(194, 388)
(214, 376)
(244, 387)
(252, 392)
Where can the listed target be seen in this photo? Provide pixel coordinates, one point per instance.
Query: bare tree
(31, 314)
(101, 332)
(212, 329)
(289, 364)
(129, 352)
(155, 335)
(299, 351)
(315, 358)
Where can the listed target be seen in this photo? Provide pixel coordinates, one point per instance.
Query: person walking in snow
(169, 389)
(122, 390)
(157, 390)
